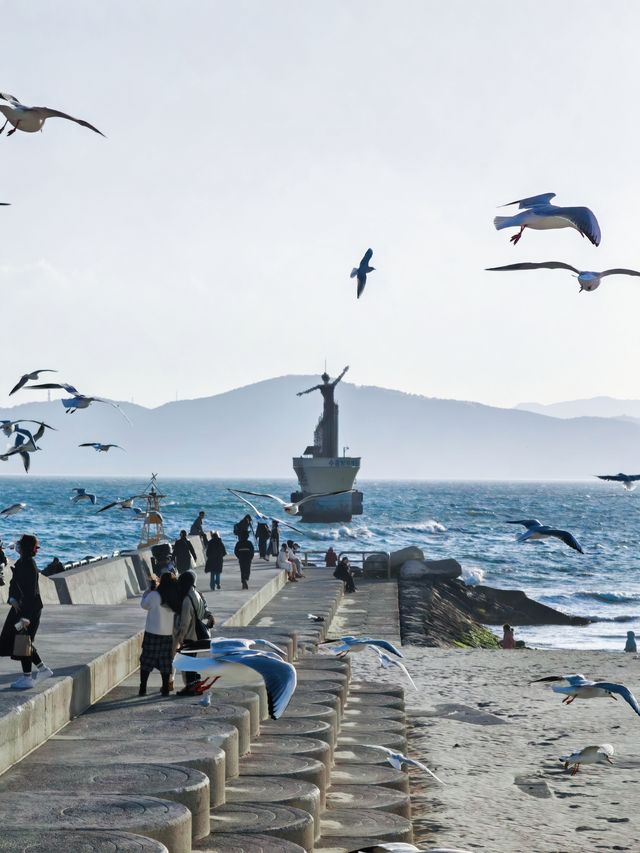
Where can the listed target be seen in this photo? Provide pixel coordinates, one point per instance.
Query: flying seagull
(223, 644)
(405, 847)
(587, 280)
(397, 760)
(237, 666)
(25, 444)
(125, 503)
(628, 480)
(13, 509)
(289, 507)
(360, 272)
(536, 530)
(29, 377)
(358, 644)
(31, 119)
(83, 495)
(538, 213)
(78, 400)
(101, 448)
(589, 755)
(388, 662)
(579, 687)
(261, 515)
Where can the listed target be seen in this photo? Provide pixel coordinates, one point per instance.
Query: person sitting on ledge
(54, 567)
(630, 645)
(508, 640)
(343, 573)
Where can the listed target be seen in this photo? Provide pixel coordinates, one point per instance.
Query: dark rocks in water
(436, 611)
(433, 569)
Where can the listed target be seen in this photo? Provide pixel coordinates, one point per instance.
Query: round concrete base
(279, 821)
(265, 790)
(307, 747)
(353, 828)
(283, 764)
(370, 774)
(222, 842)
(77, 841)
(368, 797)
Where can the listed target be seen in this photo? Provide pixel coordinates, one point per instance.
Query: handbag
(22, 645)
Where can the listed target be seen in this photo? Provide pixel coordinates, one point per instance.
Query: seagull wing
(531, 201)
(566, 537)
(424, 767)
(259, 495)
(527, 522)
(115, 406)
(64, 385)
(89, 444)
(46, 112)
(107, 446)
(573, 679)
(547, 265)
(382, 644)
(109, 506)
(22, 381)
(279, 677)
(366, 258)
(362, 282)
(616, 478)
(42, 423)
(254, 508)
(581, 218)
(619, 271)
(289, 525)
(321, 495)
(5, 97)
(622, 691)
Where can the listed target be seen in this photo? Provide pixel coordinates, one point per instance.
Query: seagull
(388, 662)
(538, 213)
(313, 618)
(83, 495)
(358, 644)
(8, 427)
(261, 515)
(25, 444)
(219, 644)
(29, 377)
(589, 755)
(78, 400)
(397, 760)
(101, 448)
(31, 119)
(361, 271)
(587, 279)
(404, 847)
(536, 530)
(579, 687)
(628, 480)
(13, 509)
(232, 666)
(289, 507)
(125, 503)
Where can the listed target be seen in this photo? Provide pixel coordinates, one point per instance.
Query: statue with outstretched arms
(327, 430)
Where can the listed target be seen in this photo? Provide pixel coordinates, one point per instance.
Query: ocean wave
(472, 575)
(430, 526)
(343, 532)
(630, 618)
(608, 597)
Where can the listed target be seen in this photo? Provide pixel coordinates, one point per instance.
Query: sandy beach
(495, 740)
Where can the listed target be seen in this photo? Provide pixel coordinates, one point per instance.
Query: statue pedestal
(328, 474)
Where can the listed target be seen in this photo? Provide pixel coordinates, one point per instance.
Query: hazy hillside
(595, 407)
(254, 431)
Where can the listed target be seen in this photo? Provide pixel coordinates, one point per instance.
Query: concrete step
(304, 746)
(307, 727)
(183, 785)
(348, 829)
(369, 774)
(279, 821)
(162, 820)
(314, 697)
(368, 797)
(78, 841)
(377, 738)
(291, 766)
(276, 790)
(223, 842)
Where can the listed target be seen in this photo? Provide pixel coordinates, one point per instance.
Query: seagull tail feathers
(501, 222)
(354, 272)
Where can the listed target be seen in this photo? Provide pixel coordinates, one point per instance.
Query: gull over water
(536, 530)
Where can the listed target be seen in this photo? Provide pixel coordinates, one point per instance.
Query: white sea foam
(429, 526)
(472, 575)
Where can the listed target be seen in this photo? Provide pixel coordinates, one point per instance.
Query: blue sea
(465, 520)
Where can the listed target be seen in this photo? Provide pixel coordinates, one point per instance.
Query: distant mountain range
(254, 431)
(594, 407)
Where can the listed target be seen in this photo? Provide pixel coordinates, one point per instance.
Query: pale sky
(256, 149)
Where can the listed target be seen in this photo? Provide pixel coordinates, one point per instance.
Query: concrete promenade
(107, 769)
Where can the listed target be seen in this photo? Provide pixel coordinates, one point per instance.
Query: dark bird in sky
(101, 448)
(628, 480)
(31, 119)
(361, 271)
(29, 377)
(538, 213)
(536, 530)
(587, 279)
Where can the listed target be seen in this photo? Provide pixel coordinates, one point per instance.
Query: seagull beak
(609, 759)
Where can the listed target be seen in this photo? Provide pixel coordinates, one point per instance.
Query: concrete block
(278, 821)
(368, 797)
(303, 746)
(77, 841)
(222, 842)
(370, 774)
(352, 828)
(277, 790)
(282, 764)
(300, 728)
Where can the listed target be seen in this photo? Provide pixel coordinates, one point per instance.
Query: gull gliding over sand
(536, 530)
(579, 687)
(31, 119)
(83, 495)
(390, 663)
(397, 760)
(29, 377)
(359, 644)
(589, 755)
(587, 280)
(628, 480)
(289, 507)
(538, 213)
(360, 272)
(405, 847)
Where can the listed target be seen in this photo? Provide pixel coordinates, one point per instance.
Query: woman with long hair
(161, 603)
(192, 614)
(216, 553)
(24, 616)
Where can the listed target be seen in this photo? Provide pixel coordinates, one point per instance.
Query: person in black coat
(263, 534)
(244, 551)
(216, 553)
(24, 615)
(183, 551)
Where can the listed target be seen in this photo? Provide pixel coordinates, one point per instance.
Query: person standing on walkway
(274, 541)
(192, 618)
(331, 558)
(263, 535)
(3, 564)
(160, 601)
(24, 615)
(216, 552)
(183, 551)
(245, 552)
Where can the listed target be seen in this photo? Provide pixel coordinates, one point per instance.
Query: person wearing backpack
(245, 552)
